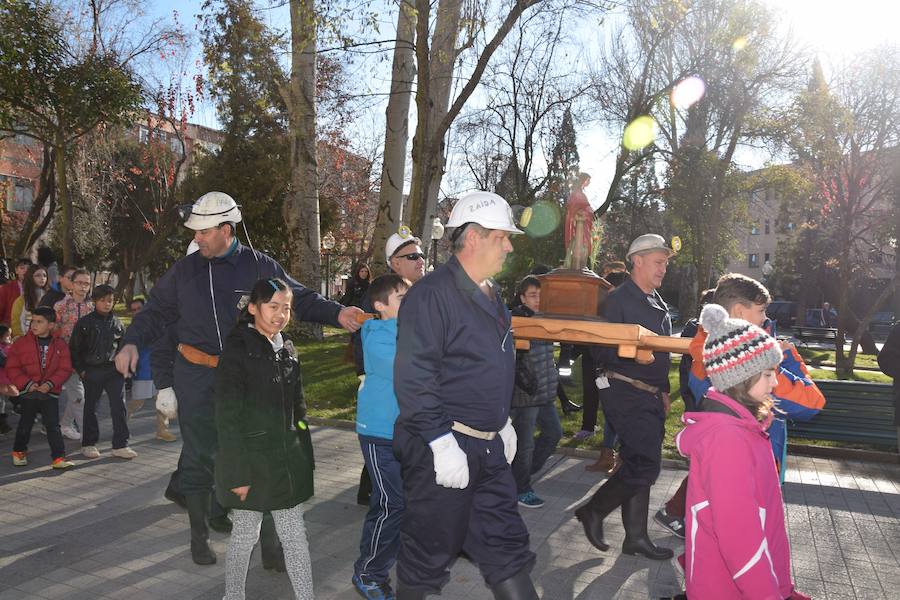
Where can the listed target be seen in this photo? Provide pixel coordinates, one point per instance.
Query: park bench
(815, 334)
(855, 411)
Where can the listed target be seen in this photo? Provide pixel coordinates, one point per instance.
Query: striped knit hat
(735, 350)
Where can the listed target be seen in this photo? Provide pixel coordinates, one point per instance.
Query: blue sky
(833, 29)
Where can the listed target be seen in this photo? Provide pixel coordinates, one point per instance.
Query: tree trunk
(301, 208)
(843, 366)
(34, 225)
(62, 194)
(396, 135)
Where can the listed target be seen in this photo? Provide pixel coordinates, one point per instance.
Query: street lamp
(437, 232)
(327, 245)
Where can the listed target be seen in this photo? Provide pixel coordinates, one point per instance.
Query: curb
(844, 453)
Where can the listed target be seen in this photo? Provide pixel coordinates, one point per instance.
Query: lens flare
(739, 44)
(688, 92)
(545, 218)
(640, 133)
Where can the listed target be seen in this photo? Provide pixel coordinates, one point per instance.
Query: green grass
(815, 358)
(330, 385)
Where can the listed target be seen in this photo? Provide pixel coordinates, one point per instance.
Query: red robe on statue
(578, 204)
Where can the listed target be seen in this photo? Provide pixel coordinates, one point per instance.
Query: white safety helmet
(485, 208)
(396, 240)
(211, 209)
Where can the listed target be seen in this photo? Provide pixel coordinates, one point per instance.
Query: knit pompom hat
(735, 350)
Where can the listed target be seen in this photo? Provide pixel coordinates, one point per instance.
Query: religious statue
(579, 222)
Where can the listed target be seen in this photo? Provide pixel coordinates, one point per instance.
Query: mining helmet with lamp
(484, 208)
(403, 237)
(212, 209)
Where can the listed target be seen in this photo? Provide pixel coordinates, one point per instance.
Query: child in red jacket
(38, 364)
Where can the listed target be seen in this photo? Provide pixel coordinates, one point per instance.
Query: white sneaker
(125, 452)
(90, 452)
(70, 433)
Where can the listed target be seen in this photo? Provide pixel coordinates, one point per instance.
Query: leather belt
(466, 430)
(198, 357)
(645, 387)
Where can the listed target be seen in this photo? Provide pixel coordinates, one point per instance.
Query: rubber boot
(132, 406)
(634, 517)
(172, 493)
(405, 592)
(162, 428)
(270, 545)
(605, 500)
(606, 463)
(218, 517)
(198, 506)
(517, 587)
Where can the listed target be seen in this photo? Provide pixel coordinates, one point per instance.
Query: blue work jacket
(455, 355)
(199, 298)
(629, 304)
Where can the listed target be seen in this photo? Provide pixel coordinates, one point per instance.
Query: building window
(754, 228)
(175, 144)
(768, 230)
(753, 261)
(23, 198)
(766, 257)
(790, 226)
(143, 135)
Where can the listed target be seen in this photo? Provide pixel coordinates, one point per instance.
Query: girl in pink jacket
(736, 542)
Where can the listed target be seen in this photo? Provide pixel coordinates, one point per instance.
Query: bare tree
(845, 138)
(435, 57)
(403, 71)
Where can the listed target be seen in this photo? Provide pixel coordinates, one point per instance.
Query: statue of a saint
(579, 222)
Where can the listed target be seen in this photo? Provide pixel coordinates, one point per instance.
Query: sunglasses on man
(411, 257)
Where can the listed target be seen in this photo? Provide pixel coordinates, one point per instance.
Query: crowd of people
(447, 409)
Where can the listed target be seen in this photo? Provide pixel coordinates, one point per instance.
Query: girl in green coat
(264, 461)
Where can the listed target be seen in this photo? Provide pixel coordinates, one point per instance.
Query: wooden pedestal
(573, 293)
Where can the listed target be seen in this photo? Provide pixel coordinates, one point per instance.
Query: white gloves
(167, 403)
(510, 441)
(451, 467)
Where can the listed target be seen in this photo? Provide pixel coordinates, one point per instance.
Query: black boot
(365, 487)
(172, 494)
(517, 587)
(270, 545)
(198, 506)
(405, 592)
(567, 405)
(4, 426)
(218, 517)
(605, 500)
(634, 517)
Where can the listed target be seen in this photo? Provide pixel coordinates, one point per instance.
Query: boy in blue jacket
(376, 412)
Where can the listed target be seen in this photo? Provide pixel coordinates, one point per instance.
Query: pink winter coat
(736, 543)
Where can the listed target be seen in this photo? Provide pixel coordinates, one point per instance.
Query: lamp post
(437, 232)
(327, 245)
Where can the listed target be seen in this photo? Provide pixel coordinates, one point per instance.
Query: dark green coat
(259, 403)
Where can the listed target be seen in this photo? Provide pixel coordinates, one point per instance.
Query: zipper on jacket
(287, 427)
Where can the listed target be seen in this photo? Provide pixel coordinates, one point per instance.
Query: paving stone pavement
(103, 530)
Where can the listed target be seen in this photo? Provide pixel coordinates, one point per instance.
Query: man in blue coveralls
(637, 403)
(453, 376)
(200, 297)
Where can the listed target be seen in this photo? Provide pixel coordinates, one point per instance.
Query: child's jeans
(96, 380)
(73, 400)
(531, 454)
(380, 541)
(245, 533)
(31, 404)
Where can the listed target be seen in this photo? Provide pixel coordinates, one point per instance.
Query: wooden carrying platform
(632, 341)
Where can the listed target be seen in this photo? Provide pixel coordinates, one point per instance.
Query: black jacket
(52, 296)
(629, 304)
(264, 441)
(539, 361)
(95, 340)
(455, 356)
